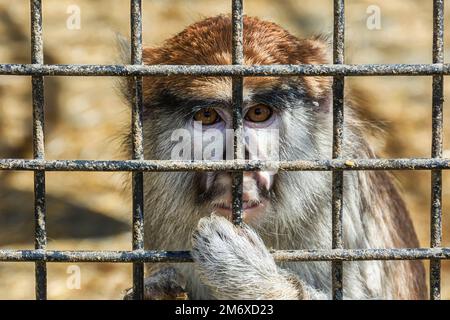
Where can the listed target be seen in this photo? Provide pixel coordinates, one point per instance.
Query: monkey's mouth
(251, 209)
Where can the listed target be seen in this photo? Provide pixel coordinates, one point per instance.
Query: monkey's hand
(235, 263)
(165, 284)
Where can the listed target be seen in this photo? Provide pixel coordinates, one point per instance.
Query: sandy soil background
(85, 117)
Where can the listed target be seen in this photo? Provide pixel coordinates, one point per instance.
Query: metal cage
(338, 70)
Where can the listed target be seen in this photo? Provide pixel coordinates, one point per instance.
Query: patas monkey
(282, 210)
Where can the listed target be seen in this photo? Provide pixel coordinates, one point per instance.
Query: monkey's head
(187, 117)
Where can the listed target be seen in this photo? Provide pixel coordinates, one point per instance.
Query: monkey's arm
(235, 264)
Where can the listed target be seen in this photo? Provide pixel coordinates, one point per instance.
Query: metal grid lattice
(138, 256)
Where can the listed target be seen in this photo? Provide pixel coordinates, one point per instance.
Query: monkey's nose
(264, 179)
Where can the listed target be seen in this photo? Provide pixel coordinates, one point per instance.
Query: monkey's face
(193, 126)
(190, 118)
(261, 138)
(279, 121)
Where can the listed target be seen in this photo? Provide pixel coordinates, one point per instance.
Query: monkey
(281, 210)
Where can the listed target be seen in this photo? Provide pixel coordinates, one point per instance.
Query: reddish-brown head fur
(208, 42)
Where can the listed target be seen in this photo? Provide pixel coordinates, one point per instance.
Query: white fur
(235, 263)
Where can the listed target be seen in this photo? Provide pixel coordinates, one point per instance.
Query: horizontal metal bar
(230, 165)
(228, 70)
(153, 256)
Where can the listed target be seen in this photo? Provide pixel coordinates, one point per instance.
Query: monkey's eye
(258, 113)
(207, 116)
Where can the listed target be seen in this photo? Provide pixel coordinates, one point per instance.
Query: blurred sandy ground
(85, 117)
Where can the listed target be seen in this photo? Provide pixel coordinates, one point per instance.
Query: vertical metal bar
(436, 148)
(237, 97)
(37, 57)
(338, 128)
(138, 149)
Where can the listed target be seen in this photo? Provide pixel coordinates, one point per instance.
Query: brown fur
(399, 233)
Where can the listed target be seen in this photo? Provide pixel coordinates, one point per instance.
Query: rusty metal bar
(237, 50)
(436, 148)
(138, 148)
(153, 256)
(228, 70)
(230, 165)
(37, 57)
(338, 134)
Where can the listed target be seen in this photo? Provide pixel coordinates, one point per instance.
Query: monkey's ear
(123, 56)
(319, 49)
(124, 51)
(149, 54)
(316, 50)
(125, 84)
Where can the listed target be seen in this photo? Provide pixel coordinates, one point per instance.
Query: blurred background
(85, 118)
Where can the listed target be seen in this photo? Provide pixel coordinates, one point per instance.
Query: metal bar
(338, 133)
(227, 70)
(138, 149)
(436, 148)
(153, 256)
(231, 165)
(37, 57)
(237, 50)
